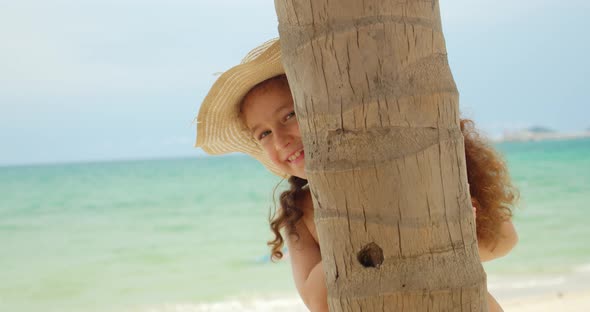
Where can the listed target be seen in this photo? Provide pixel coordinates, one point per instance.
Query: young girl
(250, 109)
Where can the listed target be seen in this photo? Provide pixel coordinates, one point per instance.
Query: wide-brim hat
(219, 127)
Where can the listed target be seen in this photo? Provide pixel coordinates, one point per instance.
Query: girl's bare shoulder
(306, 204)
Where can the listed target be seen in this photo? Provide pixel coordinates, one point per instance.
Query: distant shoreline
(517, 138)
(527, 136)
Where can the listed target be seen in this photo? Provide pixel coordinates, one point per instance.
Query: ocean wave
(584, 268)
(234, 305)
(524, 283)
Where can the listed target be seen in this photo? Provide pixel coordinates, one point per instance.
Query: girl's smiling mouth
(296, 157)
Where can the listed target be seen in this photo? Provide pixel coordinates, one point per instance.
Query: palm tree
(378, 111)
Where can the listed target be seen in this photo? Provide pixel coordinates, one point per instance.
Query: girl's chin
(301, 175)
(299, 172)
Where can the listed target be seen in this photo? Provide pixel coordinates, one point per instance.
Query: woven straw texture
(219, 128)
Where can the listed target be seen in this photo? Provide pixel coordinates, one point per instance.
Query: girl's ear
(474, 202)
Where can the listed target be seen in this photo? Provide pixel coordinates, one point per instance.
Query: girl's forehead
(265, 106)
(255, 95)
(269, 85)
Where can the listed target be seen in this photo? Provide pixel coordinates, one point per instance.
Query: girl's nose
(282, 139)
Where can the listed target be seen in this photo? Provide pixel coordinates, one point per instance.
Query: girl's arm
(493, 305)
(309, 275)
(507, 239)
(306, 263)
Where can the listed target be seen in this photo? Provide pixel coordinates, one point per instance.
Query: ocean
(190, 234)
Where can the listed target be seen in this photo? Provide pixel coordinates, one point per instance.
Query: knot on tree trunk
(371, 256)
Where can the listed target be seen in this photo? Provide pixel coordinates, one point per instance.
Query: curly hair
(287, 216)
(492, 192)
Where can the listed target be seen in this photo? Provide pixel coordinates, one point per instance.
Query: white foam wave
(526, 283)
(234, 305)
(584, 268)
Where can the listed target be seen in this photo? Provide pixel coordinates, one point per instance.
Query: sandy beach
(558, 301)
(541, 292)
(567, 301)
(548, 292)
(571, 301)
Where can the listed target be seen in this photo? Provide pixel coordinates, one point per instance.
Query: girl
(250, 109)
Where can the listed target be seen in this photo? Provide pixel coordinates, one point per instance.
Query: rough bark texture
(378, 111)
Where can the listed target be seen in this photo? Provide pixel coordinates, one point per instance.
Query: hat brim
(219, 128)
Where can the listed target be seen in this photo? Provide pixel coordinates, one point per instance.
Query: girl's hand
(507, 239)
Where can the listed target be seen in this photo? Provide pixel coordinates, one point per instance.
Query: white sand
(558, 301)
(563, 292)
(539, 293)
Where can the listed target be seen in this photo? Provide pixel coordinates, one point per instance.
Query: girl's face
(270, 116)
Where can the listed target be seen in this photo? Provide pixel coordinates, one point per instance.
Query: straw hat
(219, 128)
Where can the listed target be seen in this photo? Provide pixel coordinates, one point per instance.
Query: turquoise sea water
(143, 235)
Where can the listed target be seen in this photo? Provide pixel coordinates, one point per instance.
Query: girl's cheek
(296, 127)
(271, 154)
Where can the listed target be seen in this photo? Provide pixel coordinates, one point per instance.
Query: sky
(90, 80)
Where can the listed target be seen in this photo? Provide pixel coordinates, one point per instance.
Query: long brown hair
(490, 186)
(492, 192)
(287, 216)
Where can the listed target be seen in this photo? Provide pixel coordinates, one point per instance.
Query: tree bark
(378, 112)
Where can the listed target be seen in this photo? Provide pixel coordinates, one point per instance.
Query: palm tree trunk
(378, 111)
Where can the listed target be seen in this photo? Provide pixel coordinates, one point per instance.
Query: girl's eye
(263, 135)
(290, 115)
